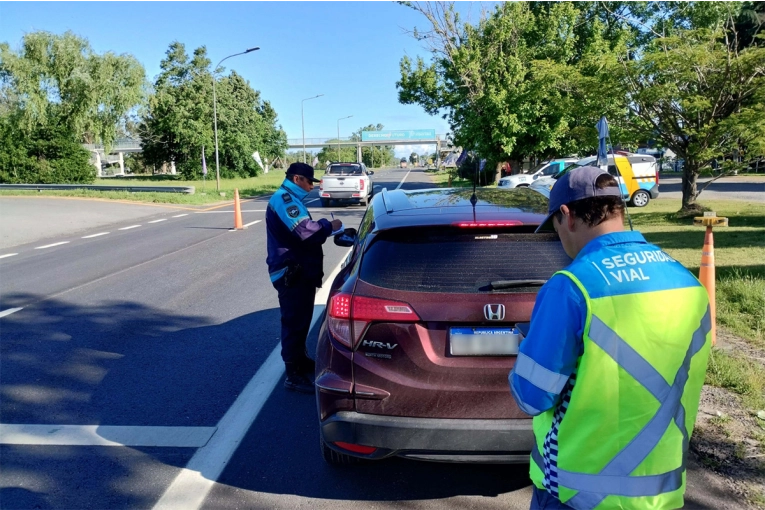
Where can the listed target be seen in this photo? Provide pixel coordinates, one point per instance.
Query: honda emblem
(494, 312)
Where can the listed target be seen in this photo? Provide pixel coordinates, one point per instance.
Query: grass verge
(738, 374)
(205, 191)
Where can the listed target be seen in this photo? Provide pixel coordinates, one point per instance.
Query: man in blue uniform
(295, 265)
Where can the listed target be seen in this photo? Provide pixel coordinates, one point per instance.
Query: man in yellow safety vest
(613, 362)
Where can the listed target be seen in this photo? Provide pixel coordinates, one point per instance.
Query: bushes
(46, 156)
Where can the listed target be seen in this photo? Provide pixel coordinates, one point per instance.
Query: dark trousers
(296, 306)
(543, 500)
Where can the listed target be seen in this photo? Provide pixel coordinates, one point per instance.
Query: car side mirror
(347, 238)
(370, 172)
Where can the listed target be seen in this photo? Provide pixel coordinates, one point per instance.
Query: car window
(453, 260)
(551, 169)
(613, 170)
(344, 170)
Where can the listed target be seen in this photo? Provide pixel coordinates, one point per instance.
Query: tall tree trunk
(690, 173)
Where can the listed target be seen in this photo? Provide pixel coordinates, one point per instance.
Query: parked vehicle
(637, 174)
(420, 330)
(546, 169)
(346, 182)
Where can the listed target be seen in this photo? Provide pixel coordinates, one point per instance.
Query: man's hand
(336, 224)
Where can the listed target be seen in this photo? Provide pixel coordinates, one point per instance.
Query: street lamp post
(338, 135)
(215, 114)
(302, 120)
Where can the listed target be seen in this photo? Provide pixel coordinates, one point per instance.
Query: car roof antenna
(613, 157)
(474, 199)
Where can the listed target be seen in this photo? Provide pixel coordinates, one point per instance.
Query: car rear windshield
(344, 170)
(455, 260)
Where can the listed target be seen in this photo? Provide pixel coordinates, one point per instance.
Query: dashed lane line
(251, 223)
(180, 215)
(128, 228)
(51, 245)
(104, 435)
(402, 180)
(8, 255)
(95, 235)
(192, 485)
(229, 212)
(157, 221)
(9, 311)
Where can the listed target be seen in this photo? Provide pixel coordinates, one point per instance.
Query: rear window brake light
(485, 224)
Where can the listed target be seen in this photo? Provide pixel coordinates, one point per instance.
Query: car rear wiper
(509, 284)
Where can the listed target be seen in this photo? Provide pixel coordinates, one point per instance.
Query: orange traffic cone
(237, 211)
(707, 276)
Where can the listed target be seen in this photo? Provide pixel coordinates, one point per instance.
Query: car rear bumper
(654, 192)
(436, 439)
(341, 195)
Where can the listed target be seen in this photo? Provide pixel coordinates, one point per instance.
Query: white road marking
(194, 482)
(8, 255)
(95, 235)
(313, 200)
(251, 223)
(229, 212)
(105, 435)
(9, 311)
(128, 228)
(51, 245)
(179, 215)
(402, 180)
(157, 221)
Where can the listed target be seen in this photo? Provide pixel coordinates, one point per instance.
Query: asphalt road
(739, 187)
(140, 369)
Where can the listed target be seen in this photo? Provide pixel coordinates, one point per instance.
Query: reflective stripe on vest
(614, 478)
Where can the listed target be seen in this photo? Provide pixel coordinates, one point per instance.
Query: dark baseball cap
(577, 184)
(302, 169)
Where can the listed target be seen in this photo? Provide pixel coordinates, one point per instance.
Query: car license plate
(469, 341)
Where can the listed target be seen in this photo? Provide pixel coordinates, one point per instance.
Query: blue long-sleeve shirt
(292, 235)
(552, 346)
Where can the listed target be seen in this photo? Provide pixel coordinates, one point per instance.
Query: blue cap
(577, 184)
(302, 169)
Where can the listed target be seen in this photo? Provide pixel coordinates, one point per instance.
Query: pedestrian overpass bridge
(122, 146)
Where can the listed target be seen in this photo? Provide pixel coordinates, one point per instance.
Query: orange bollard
(237, 211)
(707, 268)
(707, 276)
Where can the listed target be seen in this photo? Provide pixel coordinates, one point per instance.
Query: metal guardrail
(133, 189)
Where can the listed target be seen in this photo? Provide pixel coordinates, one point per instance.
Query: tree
(696, 90)
(59, 80)
(413, 158)
(179, 118)
(521, 81)
(55, 94)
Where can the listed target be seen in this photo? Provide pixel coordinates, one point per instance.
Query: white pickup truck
(346, 182)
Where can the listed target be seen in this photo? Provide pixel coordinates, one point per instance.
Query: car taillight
(349, 315)
(657, 176)
(356, 448)
(479, 224)
(321, 184)
(361, 184)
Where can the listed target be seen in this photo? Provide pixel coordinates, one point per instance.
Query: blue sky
(348, 51)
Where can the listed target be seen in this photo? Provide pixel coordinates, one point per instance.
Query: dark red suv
(420, 331)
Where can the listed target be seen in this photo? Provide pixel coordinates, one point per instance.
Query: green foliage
(179, 120)
(58, 80)
(528, 79)
(47, 155)
(743, 376)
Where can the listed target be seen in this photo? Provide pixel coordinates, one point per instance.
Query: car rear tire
(363, 201)
(334, 458)
(325, 202)
(640, 198)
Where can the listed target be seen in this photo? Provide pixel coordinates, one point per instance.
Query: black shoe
(299, 382)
